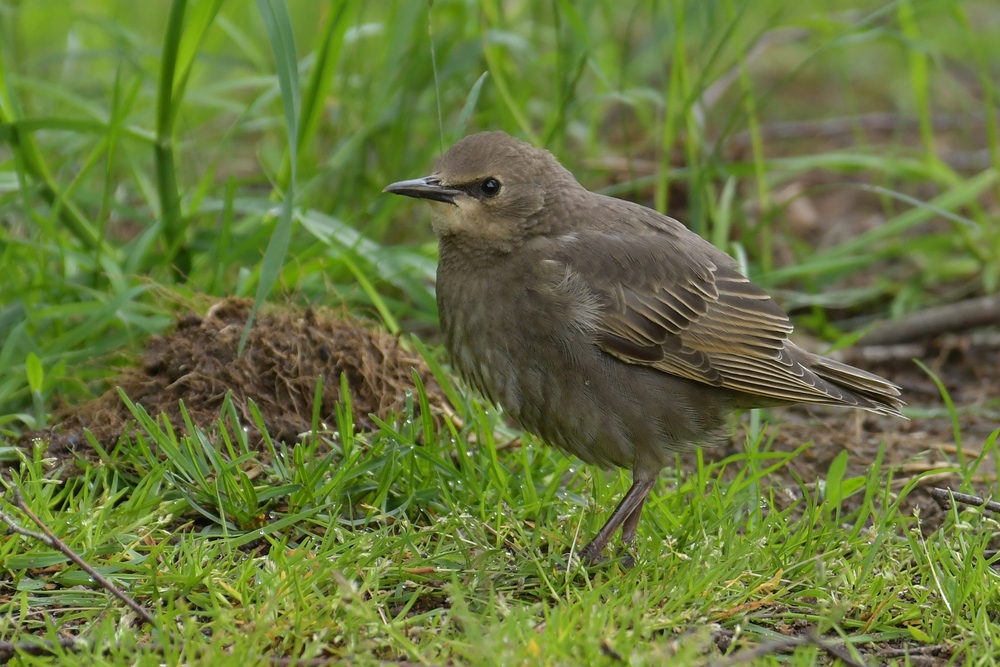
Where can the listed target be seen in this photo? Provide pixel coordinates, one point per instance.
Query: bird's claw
(588, 557)
(626, 558)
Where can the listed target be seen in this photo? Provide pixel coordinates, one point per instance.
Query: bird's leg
(630, 505)
(628, 536)
(632, 521)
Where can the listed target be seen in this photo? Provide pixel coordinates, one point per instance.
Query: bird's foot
(592, 554)
(585, 557)
(626, 558)
(588, 558)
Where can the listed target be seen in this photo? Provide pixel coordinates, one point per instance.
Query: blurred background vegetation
(847, 152)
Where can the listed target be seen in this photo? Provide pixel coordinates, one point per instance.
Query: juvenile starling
(605, 328)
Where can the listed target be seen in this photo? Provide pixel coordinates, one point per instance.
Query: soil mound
(288, 348)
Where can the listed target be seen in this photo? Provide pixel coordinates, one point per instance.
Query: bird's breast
(476, 306)
(511, 334)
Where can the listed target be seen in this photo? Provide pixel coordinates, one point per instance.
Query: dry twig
(882, 123)
(786, 646)
(932, 322)
(935, 650)
(49, 539)
(946, 496)
(9, 650)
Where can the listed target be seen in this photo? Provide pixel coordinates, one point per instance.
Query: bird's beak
(428, 187)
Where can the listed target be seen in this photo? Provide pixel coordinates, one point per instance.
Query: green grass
(153, 155)
(400, 545)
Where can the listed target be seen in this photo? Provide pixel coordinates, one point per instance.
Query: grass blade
(468, 107)
(279, 32)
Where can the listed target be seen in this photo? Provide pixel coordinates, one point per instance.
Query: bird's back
(674, 302)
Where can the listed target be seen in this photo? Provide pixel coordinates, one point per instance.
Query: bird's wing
(671, 301)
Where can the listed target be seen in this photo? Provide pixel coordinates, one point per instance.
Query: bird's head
(490, 188)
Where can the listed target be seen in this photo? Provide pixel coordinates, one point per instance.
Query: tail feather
(871, 392)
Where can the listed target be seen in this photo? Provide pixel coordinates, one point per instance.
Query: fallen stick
(45, 647)
(9, 650)
(49, 539)
(946, 496)
(786, 646)
(848, 125)
(935, 321)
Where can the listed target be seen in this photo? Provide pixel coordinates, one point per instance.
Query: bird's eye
(490, 187)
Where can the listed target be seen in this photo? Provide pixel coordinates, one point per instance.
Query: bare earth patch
(924, 445)
(288, 348)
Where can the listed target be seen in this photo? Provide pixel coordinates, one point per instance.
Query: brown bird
(606, 328)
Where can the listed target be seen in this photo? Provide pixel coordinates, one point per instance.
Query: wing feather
(703, 321)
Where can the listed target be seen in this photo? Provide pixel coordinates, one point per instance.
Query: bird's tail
(868, 391)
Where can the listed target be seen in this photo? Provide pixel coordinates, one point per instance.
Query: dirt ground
(969, 368)
(288, 348)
